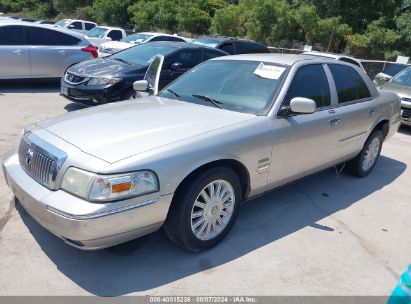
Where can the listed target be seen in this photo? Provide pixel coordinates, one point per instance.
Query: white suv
(76, 25)
(100, 34)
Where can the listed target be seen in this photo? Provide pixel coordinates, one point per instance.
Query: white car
(111, 47)
(76, 25)
(100, 34)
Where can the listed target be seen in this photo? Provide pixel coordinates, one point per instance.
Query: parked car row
(230, 129)
(111, 78)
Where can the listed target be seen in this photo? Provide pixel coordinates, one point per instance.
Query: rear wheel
(205, 209)
(365, 161)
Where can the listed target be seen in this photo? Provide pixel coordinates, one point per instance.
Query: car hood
(400, 90)
(116, 131)
(105, 67)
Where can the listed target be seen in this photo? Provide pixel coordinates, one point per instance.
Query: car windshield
(207, 42)
(96, 32)
(403, 78)
(143, 54)
(62, 22)
(136, 38)
(236, 85)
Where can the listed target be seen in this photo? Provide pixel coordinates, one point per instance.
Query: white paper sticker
(269, 71)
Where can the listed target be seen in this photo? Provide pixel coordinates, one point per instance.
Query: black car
(232, 46)
(111, 78)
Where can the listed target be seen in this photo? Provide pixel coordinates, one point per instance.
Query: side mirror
(140, 85)
(70, 26)
(176, 66)
(302, 105)
(381, 78)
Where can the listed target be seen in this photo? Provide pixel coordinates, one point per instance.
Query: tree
(378, 42)
(113, 12)
(229, 21)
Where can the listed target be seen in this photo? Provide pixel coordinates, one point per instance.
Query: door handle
(62, 52)
(371, 111)
(17, 52)
(334, 121)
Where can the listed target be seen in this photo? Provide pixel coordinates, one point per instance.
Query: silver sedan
(29, 50)
(228, 130)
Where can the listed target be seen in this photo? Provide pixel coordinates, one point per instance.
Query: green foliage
(111, 12)
(377, 42)
(229, 21)
(364, 28)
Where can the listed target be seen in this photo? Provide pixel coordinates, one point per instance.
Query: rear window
(350, 86)
(207, 42)
(136, 38)
(246, 47)
(12, 35)
(41, 36)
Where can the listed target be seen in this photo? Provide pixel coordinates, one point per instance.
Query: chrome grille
(37, 165)
(73, 78)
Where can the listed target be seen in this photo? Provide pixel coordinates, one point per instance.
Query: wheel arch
(383, 124)
(237, 166)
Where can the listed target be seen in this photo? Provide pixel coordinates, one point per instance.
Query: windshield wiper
(217, 103)
(174, 93)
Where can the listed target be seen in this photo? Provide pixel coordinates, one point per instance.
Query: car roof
(286, 59)
(181, 45)
(328, 55)
(222, 39)
(109, 27)
(45, 26)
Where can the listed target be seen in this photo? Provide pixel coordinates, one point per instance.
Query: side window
(310, 81)
(76, 25)
(349, 86)
(362, 89)
(189, 58)
(209, 54)
(41, 36)
(159, 38)
(12, 35)
(89, 26)
(115, 35)
(177, 39)
(228, 47)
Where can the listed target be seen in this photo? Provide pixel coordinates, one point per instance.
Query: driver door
(305, 143)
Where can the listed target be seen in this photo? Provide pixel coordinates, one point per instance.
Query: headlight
(103, 188)
(102, 81)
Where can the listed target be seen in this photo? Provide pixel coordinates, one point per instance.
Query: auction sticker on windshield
(269, 71)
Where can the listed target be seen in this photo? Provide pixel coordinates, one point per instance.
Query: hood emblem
(29, 156)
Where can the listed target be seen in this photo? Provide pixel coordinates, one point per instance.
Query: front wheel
(205, 209)
(364, 162)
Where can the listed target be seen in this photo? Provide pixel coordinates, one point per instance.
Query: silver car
(400, 84)
(29, 50)
(228, 130)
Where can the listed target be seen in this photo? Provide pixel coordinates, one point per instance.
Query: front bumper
(95, 95)
(98, 225)
(406, 115)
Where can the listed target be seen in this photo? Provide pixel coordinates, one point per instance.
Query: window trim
(330, 84)
(355, 101)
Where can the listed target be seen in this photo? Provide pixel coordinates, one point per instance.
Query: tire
(365, 161)
(191, 212)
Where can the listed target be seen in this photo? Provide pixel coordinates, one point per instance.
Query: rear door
(14, 53)
(305, 143)
(356, 107)
(51, 51)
